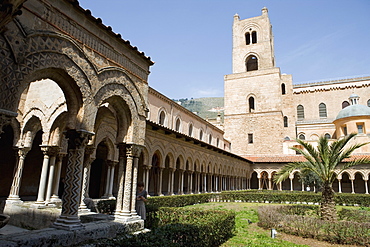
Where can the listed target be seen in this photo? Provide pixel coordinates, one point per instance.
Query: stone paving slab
(58, 237)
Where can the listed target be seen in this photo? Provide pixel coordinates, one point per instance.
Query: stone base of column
(71, 223)
(38, 205)
(83, 208)
(12, 199)
(125, 217)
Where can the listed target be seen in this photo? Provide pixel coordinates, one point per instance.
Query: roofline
(195, 141)
(118, 36)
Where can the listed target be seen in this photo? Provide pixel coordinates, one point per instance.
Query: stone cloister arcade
(354, 180)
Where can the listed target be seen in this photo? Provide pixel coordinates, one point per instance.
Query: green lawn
(246, 234)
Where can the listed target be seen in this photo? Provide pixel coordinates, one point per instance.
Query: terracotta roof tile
(291, 158)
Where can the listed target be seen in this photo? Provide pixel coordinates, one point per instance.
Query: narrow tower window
(251, 104)
(283, 89)
(300, 112)
(247, 38)
(201, 135)
(285, 121)
(254, 37)
(252, 63)
(250, 138)
(322, 110)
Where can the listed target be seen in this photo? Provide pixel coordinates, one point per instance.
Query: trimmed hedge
(292, 197)
(193, 227)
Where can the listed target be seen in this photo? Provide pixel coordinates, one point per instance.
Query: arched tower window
(345, 104)
(322, 110)
(201, 135)
(300, 112)
(190, 129)
(247, 38)
(210, 139)
(251, 104)
(178, 122)
(285, 121)
(283, 89)
(252, 63)
(368, 103)
(302, 137)
(162, 117)
(254, 37)
(327, 136)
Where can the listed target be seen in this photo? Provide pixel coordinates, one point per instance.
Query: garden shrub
(106, 206)
(212, 227)
(293, 220)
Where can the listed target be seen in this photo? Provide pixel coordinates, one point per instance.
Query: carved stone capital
(133, 150)
(78, 139)
(50, 150)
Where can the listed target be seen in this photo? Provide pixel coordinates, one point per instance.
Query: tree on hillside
(323, 161)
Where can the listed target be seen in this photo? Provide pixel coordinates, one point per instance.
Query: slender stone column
(366, 188)
(58, 169)
(85, 176)
(147, 170)
(69, 219)
(291, 184)
(16, 184)
(111, 180)
(134, 214)
(121, 178)
(172, 181)
(353, 186)
(131, 150)
(160, 178)
(53, 152)
(107, 181)
(43, 177)
(339, 186)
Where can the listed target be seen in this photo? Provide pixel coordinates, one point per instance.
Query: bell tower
(259, 113)
(253, 45)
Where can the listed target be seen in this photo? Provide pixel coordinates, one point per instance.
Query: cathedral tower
(259, 114)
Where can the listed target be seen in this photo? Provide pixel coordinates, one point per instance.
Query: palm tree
(322, 161)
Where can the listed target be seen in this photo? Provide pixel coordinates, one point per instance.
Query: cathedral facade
(265, 112)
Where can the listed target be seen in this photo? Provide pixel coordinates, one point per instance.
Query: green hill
(206, 108)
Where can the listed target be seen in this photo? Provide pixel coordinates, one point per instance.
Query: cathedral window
(301, 137)
(251, 104)
(300, 112)
(247, 38)
(250, 138)
(368, 103)
(201, 135)
(345, 104)
(162, 118)
(327, 136)
(283, 89)
(360, 128)
(210, 139)
(252, 63)
(322, 110)
(254, 37)
(217, 142)
(190, 129)
(178, 122)
(285, 121)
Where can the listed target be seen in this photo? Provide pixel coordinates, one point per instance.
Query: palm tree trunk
(328, 210)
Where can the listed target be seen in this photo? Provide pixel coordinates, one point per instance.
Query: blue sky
(190, 41)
